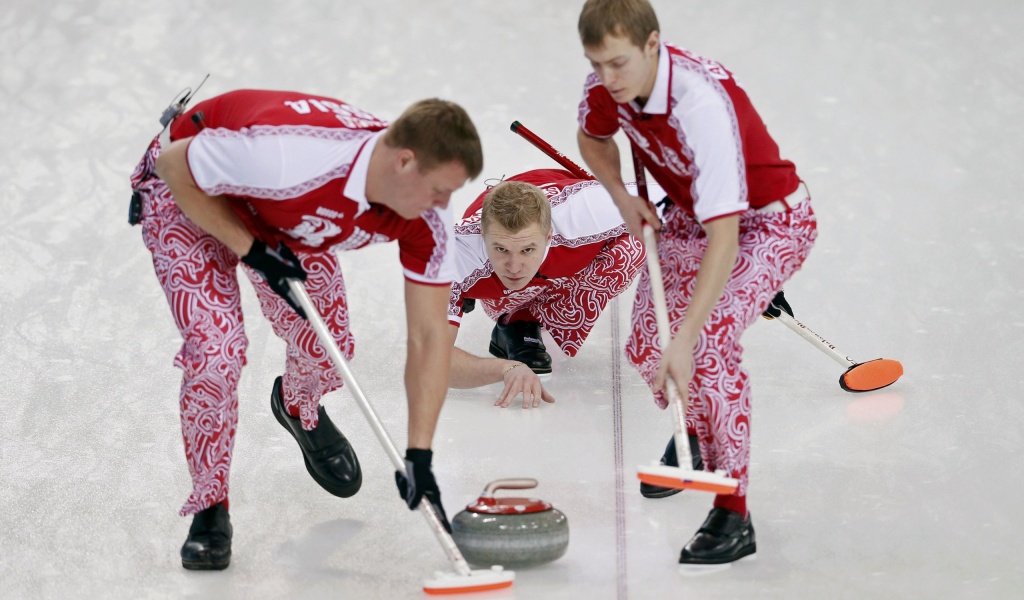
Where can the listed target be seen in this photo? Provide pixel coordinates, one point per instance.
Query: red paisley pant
(773, 245)
(199, 277)
(568, 307)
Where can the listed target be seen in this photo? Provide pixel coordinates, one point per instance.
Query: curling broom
(463, 579)
(682, 477)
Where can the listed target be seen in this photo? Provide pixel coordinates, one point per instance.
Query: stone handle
(522, 483)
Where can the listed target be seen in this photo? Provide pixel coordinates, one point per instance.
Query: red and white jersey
(698, 135)
(293, 167)
(583, 220)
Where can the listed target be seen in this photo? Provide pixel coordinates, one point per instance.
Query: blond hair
(438, 132)
(634, 19)
(515, 205)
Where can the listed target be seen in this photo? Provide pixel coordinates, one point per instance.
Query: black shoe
(723, 538)
(329, 458)
(208, 545)
(669, 459)
(521, 341)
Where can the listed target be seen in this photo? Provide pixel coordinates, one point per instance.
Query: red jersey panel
(698, 135)
(293, 168)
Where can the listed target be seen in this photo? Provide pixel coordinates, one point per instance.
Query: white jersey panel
(271, 162)
(703, 111)
(471, 263)
(587, 211)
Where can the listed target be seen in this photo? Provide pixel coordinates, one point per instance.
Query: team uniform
(701, 139)
(590, 260)
(293, 167)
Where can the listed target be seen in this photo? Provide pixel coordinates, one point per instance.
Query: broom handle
(548, 149)
(676, 400)
(816, 340)
(327, 340)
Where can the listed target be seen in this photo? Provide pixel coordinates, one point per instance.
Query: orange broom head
(478, 580)
(685, 479)
(871, 375)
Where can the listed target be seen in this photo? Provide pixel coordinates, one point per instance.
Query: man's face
(626, 70)
(516, 257)
(417, 191)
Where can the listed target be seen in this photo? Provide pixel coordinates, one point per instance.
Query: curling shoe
(329, 457)
(521, 341)
(669, 459)
(723, 538)
(208, 545)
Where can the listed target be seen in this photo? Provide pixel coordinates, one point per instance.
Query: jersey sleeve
(597, 111)
(456, 305)
(427, 249)
(471, 269)
(719, 186)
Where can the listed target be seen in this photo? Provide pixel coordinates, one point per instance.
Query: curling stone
(512, 532)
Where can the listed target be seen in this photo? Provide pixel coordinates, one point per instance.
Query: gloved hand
(777, 306)
(420, 482)
(276, 267)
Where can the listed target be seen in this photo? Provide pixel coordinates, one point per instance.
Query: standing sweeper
(738, 226)
(276, 181)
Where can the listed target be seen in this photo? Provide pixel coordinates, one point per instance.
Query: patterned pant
(773, 245)
(569, 306)
(199, 277)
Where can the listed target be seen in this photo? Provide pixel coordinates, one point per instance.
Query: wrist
(685, 339)
(623, 199)
(509, 368)
(419, 455)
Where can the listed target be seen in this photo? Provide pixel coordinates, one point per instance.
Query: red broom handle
(641, 177)
(546, 148)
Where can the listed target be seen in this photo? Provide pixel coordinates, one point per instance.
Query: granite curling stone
(513, 532)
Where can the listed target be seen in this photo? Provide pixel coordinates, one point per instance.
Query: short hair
(515, 205)
(438, 132)
(633, 18)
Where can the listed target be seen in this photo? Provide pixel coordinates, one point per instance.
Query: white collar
(355, 187)
(657, 103)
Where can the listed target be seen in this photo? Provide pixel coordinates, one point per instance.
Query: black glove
(276, 267)
(777, 306)
(422, 484)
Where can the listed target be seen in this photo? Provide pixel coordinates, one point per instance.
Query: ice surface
(903, 117)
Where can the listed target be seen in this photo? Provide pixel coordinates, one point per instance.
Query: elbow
(163, 167)
(172, 164)
(584, 139)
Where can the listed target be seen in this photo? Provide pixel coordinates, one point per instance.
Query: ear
(653, 45)
(405, 160)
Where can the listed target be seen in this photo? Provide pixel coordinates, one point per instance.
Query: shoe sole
(340, 491)
(693, 570)
(498, 353)
(205, 566)
(747, 553)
